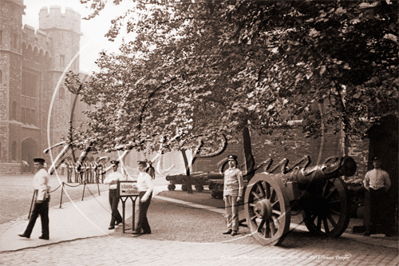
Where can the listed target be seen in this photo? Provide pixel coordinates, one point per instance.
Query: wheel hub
(263, 209)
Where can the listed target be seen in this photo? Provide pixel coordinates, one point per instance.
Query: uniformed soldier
(112, 179)
(232, 193)
(146, 188)
(377, 183)
(40, 181)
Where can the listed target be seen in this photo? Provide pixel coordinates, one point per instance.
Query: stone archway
(28, 152)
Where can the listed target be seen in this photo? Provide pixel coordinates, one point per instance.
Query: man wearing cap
(144, 183)
(232, 193)
(377, 182)
(112, 180)
(42, 198)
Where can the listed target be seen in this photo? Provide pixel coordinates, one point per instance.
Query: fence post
(84, 186)
(62, 192)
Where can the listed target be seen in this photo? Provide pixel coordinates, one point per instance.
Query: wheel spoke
(331, 192)
(335, 212)
(261, 225)
(334, 201)
(276, 212)
(256, 195)
(331, 219)
(273, 228)
(319, 223)
(273, 195)
(265, 187)
(253, 217)
(276, 205)
(260, 189)
(267, 190)
(324, 189)
(326, 225)
(313, 218)
(267, 229)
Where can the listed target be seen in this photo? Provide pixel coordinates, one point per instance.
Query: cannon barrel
(345, 166)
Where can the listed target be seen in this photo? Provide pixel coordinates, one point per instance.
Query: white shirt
(40, 182)
(112, 179)
(376, 179)
(144, 181)
(233, 182)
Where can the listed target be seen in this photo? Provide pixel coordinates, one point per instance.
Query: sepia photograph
(199, 132)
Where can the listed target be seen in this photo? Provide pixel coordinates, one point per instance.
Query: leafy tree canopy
(206, 68)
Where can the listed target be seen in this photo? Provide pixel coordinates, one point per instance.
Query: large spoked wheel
(267, 209)
(328, 212)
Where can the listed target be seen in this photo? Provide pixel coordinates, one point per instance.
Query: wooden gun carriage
(198, 179)
(318, 193)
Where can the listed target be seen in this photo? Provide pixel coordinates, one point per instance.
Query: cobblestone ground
(188, 236)
(133, 250)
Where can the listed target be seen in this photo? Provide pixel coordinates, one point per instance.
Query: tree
(205, 68)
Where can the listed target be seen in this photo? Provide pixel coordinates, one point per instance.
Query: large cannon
(318, 193)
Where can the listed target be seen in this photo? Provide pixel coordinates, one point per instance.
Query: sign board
(128, 188)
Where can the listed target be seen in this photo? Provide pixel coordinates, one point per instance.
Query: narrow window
(28, 116)
(14, 151)
(23, 115)
(14, 110)
(15, 44)
(33, 117)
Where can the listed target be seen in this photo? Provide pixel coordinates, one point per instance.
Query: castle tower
(10, 81)
(64, 31)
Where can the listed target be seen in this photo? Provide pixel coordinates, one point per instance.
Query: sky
(93, 41)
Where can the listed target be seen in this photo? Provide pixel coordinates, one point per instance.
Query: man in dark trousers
(144, 183)
(112, 179)
(42, 198)
(377, 183)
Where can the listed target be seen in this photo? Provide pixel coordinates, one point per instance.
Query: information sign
(128, 188)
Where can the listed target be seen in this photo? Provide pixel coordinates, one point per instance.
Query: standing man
(40, 182)
(144, 183)
(97, 170)
(232, 193)
(377, 183)
(112, 179)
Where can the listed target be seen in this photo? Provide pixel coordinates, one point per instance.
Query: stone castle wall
(37, 54)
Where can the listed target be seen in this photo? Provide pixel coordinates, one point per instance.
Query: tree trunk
(187, 167)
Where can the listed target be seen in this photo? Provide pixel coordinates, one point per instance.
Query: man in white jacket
(112, 179)
(40, 183)
(144, 182)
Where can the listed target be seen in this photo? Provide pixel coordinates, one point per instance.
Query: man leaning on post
(377, 183)
(40, 181)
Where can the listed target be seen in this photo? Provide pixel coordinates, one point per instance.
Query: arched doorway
(28, 151)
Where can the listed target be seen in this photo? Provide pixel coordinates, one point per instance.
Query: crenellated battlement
(53, 18)
(35, 39)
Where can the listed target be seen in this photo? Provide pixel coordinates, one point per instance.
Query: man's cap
(232, 158)
(38, 160)
(376, 159)
(114, 162)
